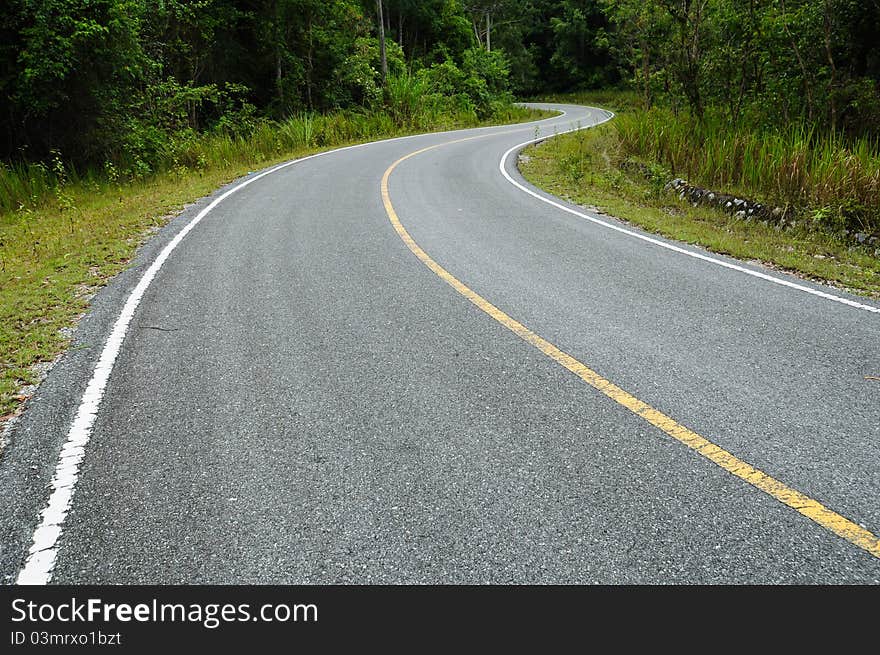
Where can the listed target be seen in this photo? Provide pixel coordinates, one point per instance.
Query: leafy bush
(162, 125)
(481, 81)
(492, 67)
(359, 77)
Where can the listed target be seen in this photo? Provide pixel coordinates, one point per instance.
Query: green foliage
(491, 67)
(792, 166)
(70, 63)
(136, 82)
(162, 123)
(760, 62)
(405, 96)
(830, 182)
(134, 87)
(579, 56)
(477, 86)
(428, 30)
(358, 78)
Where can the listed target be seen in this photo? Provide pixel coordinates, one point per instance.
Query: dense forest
(120, 81)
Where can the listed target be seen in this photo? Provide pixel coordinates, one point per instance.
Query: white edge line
(734, 267)
(37, 569)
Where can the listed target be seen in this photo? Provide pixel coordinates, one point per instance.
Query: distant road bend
(401, 363)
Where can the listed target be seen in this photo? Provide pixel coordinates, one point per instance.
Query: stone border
(741, 208)
(749, 210)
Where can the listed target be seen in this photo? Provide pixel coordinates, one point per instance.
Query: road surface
(375, 366)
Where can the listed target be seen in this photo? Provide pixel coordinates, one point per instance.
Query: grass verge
(56, 251)
(584, 167)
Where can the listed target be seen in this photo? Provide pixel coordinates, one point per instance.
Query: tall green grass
(832, 181)
(28, 186)
(791, 165)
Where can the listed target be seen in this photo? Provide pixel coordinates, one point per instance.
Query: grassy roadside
(55, 253)
(584, 167)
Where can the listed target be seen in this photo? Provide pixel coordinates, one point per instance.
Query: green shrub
(835, 180)
(359, 80)
(405, 97)
(471, 88)
(491, 67)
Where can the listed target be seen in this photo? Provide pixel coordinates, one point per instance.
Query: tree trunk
(646, 72)
(808, 87)
(832, 83)
(488, 32)
(310, 67)
(278, 71)
(278, 74)
(382, 54)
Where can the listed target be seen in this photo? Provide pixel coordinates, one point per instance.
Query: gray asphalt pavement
(299, 399)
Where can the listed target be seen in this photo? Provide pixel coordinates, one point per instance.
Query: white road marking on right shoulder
(663, 244)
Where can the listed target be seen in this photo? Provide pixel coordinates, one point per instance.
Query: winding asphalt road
(323, 384)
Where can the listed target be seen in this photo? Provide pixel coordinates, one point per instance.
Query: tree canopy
(102, 80)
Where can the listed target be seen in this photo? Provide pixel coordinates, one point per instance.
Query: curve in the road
(37, 569)
(810, 508)
(669, 246)
(41, 557)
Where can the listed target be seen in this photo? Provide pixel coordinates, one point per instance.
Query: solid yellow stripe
(812, 509)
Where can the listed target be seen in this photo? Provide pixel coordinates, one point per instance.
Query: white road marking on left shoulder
(37, 569)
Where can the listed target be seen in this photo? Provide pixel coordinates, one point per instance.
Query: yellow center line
(812, 509)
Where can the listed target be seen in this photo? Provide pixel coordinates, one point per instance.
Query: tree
(580, 54)
(638, 31)
(383, 55)
(77, 62)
